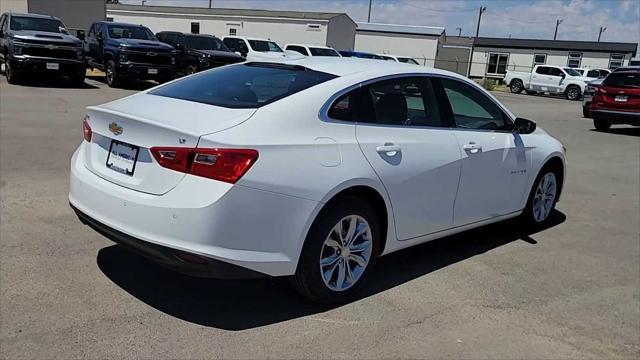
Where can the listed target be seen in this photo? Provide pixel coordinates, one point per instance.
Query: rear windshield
(323, 52)
(36, 24)
(264, 46)
(243, 86)
(623, 80)
(408, 60)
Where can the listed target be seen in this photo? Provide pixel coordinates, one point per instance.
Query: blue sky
(518, 18)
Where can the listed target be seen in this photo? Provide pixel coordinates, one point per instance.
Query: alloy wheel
(544, 197)
(346, 252)
(110, 72)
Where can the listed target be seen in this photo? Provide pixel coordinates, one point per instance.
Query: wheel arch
(557, 163)
(514, 79)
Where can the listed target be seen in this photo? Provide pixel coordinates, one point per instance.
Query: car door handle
(389, 149)
(472, 147)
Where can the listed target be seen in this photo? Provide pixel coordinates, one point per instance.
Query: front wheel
(543, 197)
(339, 252)
(191, 69)
(516, 86)
(601, 124)
(113, 79)
(12, 75)
(572, 92)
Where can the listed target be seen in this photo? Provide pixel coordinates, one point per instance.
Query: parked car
(254, 49)
(550, 79)
(360, 54)
(589, 91)
(39, 44)
(312, 50)
(397, 58)
(617, 100)
(198, 52)
(593, 73)
(128, 52)
(310, 168)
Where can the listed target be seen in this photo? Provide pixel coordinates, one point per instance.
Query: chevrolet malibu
(311, 168)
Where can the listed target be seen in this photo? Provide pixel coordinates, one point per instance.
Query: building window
(616, 61)
(497, 64)
(109, 19)
(195, 28)
(539, 59)
(574, 60)
(233, 31)
(313, 27)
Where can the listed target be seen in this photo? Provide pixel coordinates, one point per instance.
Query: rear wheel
(191, 69)
(601, 124)
(572, 92)
(339, 252)
(113, 79)
(543, 197)
(516, 86)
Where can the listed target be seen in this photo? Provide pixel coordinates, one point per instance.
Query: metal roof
(399, 29)
(310, 15)
(609, 47)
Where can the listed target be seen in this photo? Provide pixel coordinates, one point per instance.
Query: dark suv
(34, 43)
(128, 52)
(198, 52)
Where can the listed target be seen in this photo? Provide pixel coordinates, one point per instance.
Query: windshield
(264, 46)
(408, 61)
(130, 32)
(572, 72)
(388, 58)
(243, 86)
(205, 43)
(323, 52)
(37, 24)
(623, 80)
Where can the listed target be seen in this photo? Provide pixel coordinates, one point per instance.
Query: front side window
(205, 43)
(574, 59)
(557, 72)
(130, 32)
(570, 71)
(23, 23)
(402, 102)
(472, 109)
(323, 52)
(243, 86)
(298, 49)
(497, 64)
(408, 61)
(264, 46)
(593, 73)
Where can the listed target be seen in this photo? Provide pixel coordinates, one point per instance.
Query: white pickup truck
(548, 79)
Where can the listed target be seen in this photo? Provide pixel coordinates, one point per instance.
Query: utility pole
(482, 10)
(602, 29)
(369, 17)
(558, 22)
(459, 31)
(210, 3)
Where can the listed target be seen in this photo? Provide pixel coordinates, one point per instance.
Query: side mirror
(100, 37)
(523, 126)
(563, 75)
(238, 53)
(80, 35)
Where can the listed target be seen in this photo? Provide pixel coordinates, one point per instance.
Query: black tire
(13, 76)
(308, 279)
(572, 92)
(111, 70)
(191, 69)
(77, 80)
(585, 112)
(529, 92)
(516, 86)
(601, 124)
(528, 215)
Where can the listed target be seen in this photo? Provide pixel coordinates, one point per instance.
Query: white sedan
(311, 168)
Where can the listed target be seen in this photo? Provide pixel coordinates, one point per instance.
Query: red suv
(617, 100)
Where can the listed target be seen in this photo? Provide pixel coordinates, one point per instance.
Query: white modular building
(336, 30)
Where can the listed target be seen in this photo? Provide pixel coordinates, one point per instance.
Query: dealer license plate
(621, 98)
(122, 157)
(152, 71)
(53, 66)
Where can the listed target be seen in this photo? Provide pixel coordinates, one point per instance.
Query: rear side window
(298, 49)
(244, 86)
(323, 52)
(623, 80)
(543, 70)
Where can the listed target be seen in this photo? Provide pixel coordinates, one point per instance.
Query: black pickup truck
(33, 44)
(198, 52)
(128, 52)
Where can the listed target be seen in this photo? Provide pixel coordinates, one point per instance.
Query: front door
(494, 159)
(414, 153)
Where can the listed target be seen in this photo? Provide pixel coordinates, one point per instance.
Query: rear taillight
(226, 165)
(86, 129)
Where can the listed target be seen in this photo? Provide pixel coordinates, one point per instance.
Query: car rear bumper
(617, 117)
(253, 229)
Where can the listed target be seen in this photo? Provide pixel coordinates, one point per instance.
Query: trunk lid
(125, 130)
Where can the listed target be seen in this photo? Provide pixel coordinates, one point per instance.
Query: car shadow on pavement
(629, 131)
(53, 83)
(138, 85)
(246, 304)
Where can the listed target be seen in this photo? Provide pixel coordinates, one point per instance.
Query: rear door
(539, 78)
(555, 79)
(413, 152)
(494, 159)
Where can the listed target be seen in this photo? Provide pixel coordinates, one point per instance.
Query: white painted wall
(522, 59)
(418, 47)
(281, 31)
(19, 6)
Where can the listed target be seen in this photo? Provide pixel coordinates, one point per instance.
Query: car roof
(349, 66)
(119, 23)
(247, 38)
(311, 46)
(627, 69)
(31, 15)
